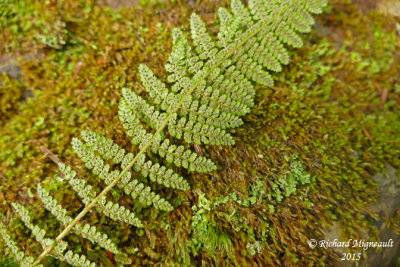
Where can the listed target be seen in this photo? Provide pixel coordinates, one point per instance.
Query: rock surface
(386, 206)
(389, 6)
(8, 66)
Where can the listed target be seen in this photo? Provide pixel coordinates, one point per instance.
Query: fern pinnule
(87, 231)
(156, 172)
(59, 248)
(118, 212)
(190, 128)
(86, 193)
(241, 13)
(20, 257)
(207, 96)
(52, 205)
(173, 154)
(76, 260)
(139, 191)
(226, 95)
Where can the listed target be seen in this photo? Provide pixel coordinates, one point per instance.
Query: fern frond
(217, 102)
(195, 125)
(134, 188)
(157, 173)
(39, 234)
(24, 261)
(257, 34)
(227, 95)
(210, 86)
(87, 231)
(177, 155)
(86, 193)
(182, 58)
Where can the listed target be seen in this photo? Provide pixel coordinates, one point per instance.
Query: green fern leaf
(39, 233)
(24, 261)
(87, 231)
(86, 193)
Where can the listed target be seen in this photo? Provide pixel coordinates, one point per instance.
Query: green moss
(11, 91)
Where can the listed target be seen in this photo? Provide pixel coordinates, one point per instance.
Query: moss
(11, 91)
(328, 107)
